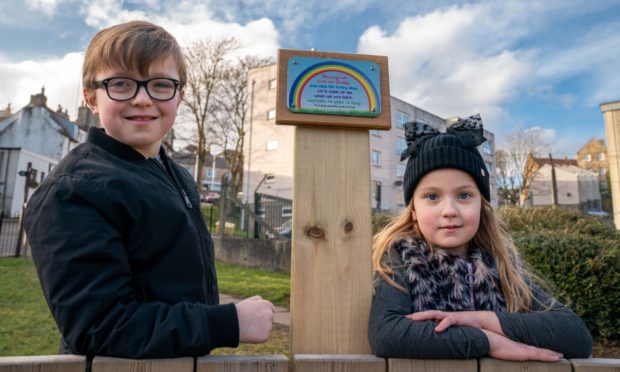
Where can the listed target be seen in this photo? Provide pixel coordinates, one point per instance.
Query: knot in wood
(315, 232)
(348, 227)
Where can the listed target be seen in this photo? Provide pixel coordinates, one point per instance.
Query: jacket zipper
(205, 272)
(470, 280)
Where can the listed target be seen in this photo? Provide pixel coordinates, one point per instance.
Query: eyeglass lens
(125, 88)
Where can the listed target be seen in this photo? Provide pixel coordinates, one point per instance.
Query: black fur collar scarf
(439, 281)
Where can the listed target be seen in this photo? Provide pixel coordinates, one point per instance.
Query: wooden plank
(331, 273)
(338, 363)
(242, 363)
(108, 364)
(283, 116)
(496, 365)
(432, 365)
(43, 363)
(595, 365)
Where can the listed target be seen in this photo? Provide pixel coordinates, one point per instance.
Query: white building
(576, 187)
(12, 184)
(268, 148)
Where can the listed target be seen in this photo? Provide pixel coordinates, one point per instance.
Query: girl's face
(142, 121)
(446, 206)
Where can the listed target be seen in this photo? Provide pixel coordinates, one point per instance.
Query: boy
(121, 248)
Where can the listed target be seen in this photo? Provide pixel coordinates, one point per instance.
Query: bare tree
(207, 71)
(232, 103)
(514, 165)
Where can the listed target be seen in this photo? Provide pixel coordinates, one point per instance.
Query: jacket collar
(99, 138)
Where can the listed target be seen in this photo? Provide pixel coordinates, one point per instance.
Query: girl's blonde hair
(492, 235)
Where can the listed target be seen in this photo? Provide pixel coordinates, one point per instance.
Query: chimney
(38, 100)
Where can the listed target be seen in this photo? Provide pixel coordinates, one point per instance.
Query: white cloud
(48, 7)
(441, 62)
(60, 77)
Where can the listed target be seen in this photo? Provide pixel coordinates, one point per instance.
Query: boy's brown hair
(131, 46)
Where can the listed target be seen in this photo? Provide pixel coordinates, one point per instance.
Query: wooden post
(331, 273)
(434, 365)
(108, 364)
(338, 363)
(497, 365)
(596, 365)
(242, 363)
(43, 363)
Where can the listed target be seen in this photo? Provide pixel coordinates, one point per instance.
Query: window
(487, 148)
(209, 172)
(401, 118)
(601, 156)
(260, 212)
(272, 84)
(400, 170)
(272, 145)
(375, 157)
(271, 114)
(270, 178)
(588, 157)
(401, 145)
(489, 166)
(287, 211)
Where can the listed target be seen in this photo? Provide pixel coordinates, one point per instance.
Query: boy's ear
(91, 99)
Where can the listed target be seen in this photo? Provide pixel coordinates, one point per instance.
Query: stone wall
(267, 254)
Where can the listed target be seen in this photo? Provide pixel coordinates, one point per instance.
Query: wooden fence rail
(298, 363)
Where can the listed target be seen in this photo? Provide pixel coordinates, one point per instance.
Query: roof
(43, 115)
(556, 162)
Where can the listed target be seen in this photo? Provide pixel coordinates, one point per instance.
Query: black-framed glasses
(125, 89)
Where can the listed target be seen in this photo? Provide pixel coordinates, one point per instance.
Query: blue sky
(547, 64)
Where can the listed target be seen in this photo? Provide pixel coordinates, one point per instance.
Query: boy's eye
(120, 83)
(162, 84)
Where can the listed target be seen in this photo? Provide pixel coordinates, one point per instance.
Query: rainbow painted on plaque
(334, 87)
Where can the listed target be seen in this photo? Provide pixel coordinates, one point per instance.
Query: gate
(274, 211)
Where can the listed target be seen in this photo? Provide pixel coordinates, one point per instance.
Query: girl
(449, 281)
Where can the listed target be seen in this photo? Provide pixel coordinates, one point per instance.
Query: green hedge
(583, 269)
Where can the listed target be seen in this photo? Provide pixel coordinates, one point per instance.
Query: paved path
(282, 315)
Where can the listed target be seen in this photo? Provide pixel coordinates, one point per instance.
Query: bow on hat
(469, 130)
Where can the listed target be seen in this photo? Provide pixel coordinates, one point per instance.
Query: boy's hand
(255, 319)
(478, 319)
(501, 347)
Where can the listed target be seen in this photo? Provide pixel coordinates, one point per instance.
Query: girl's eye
(464, 195)
(432, 197)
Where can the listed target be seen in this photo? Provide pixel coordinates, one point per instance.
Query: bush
(559, 219)
(578, 255)
(584, 271)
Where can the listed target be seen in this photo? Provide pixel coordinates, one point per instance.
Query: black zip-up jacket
(124, 256)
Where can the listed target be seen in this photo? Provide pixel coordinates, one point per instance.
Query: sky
(519, 63)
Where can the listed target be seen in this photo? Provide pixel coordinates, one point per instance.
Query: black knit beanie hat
(428, 149)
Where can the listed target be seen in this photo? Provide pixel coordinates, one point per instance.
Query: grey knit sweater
(432, 281)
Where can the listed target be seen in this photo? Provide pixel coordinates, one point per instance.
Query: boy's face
(140, 122)
(446, 206)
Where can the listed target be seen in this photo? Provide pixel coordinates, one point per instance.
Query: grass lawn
(27, 327)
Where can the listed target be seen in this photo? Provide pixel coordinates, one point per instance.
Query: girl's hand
(478, 319)
(501, 347)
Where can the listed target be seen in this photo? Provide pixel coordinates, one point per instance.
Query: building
(593, 156)
(215, 167)
(34, 138)
(14, 163)
(38, 129)
(576, 187)
(611, 115)
(268, 148)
